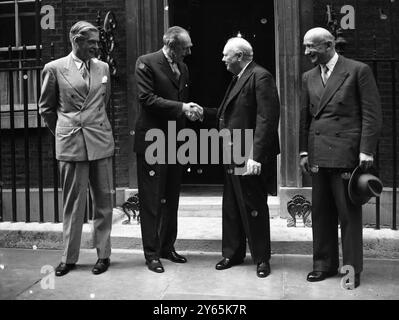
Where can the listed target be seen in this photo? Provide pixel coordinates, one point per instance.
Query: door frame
(146, 21)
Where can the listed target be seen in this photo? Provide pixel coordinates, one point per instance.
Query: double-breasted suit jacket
(161, 95)
(76, 114)
(338, 122)
(77, 117)
(252, 103)
(343, 118)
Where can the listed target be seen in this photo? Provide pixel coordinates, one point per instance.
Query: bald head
(319, 45)
(237, 53)
(319, 35)
(240, 45)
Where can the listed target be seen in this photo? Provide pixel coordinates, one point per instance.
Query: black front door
(211, 23)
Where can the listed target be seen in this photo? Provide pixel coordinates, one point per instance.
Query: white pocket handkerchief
(104, 79)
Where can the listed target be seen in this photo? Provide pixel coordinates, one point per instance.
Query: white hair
(239, 44)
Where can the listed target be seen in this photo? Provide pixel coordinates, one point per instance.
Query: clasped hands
(193, 111)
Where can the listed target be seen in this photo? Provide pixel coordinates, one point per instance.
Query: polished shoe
(263, 269)
(64, 268)
(174, 257)
(155, 265)
(315, 276)
(226, 263)
(357, 280)
(101, 266)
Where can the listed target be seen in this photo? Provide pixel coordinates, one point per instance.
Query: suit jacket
(77, 119)
(341, 120)
(253, 103)
(160, 95)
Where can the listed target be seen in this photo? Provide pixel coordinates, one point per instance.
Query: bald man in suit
(73, 101)
(340, 124)
(251, 103)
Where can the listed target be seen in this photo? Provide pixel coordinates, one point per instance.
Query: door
(211, 23)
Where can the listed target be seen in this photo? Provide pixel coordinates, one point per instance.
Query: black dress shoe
(155, 265)
(315, 276)
(226, 263)
(174, 257)
(101, 266)
(64, 268)
(263, 269)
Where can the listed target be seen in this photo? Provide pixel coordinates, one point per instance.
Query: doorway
(211, 23)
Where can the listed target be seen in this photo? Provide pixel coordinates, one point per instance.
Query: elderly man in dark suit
(73, 101)
(251, 103)
(162, 88)
(339, 127)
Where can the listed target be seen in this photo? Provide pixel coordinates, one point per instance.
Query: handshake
(193, 111)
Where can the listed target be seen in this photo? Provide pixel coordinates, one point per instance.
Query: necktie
(175, 70)
(324, 74)
(85, 74)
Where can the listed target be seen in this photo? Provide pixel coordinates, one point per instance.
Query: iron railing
(391, 66)
(26, 72)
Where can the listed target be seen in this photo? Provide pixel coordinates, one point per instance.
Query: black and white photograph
(199, 158)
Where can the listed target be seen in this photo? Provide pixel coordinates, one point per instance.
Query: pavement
(28, 274)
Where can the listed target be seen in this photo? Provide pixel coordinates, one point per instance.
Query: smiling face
(231, 59)
(182, 48)
(318, 47)
(86, 48)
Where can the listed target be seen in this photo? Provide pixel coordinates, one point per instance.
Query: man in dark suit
(339, 127)
(73, 101)
(162, 88)
(250, 103)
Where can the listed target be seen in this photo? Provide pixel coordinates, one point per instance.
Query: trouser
(75, 179)
(331, 202)
(245, 216)
(159, 192)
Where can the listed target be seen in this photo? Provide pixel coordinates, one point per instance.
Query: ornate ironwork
(299, 207)
(107, 40)
(335, 29)
(130, 207)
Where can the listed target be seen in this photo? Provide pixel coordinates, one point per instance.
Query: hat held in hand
(363, 185)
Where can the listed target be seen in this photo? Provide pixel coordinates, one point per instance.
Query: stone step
(201, 234)
(211, 206)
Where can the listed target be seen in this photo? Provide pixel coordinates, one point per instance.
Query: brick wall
(363, 45)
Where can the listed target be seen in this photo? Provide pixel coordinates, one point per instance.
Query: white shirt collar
(243, 69)
(78, 61)
(331, 64)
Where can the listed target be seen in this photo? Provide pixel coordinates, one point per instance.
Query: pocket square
(104, 79)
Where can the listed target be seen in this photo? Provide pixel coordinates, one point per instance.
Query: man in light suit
(340, 124)
(162, 88)
(251, 102)
(73, 102)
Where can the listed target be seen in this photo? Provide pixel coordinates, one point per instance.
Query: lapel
(336, 79)
(230, 95)
(316, 83)
(183, 76)
(73, 77)
(165, 67)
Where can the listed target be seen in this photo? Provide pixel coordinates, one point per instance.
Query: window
(17, 28)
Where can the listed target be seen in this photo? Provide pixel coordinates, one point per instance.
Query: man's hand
(304, 164)
(253, 168)
(365, 161)
(193, 111)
